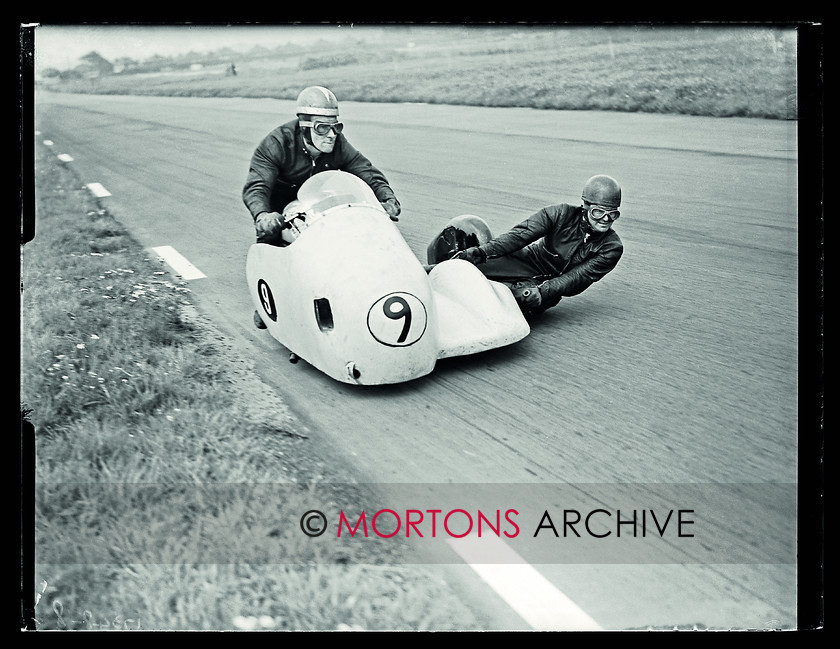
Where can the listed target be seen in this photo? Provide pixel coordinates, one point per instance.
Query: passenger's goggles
(600, 213)
(323, 128)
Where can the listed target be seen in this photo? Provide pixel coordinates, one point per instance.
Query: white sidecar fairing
(349, 296)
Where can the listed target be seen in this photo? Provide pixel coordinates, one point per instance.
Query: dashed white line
(537, 601)
(180, 264)
(98, 190)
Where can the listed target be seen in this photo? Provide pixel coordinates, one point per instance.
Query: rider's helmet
(317, 100)
(602, 190)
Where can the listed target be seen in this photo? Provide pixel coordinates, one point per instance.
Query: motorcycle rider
(296, 150)
(557, 252)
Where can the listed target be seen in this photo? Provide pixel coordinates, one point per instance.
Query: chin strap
(587, 227)
(307, 136)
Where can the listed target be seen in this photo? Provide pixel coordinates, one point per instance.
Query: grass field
(715, 71)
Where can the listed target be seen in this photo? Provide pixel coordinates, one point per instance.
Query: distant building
(125, 64)
(93, 65)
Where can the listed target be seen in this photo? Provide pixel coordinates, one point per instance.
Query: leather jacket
(281, 163)
(557, 243)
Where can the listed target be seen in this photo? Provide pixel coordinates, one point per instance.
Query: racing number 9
(403, 311)
(397, 319)
(267, 299)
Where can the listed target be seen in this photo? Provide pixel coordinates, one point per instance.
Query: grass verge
(133, 398)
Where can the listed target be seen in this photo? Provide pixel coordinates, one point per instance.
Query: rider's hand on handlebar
(392, 207)
(474, 255)
(268, 223)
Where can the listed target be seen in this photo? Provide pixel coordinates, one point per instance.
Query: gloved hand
(527, 296)
(474, 255)
(268, 223)
(392, 206)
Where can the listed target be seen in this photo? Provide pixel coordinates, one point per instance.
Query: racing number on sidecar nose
(397, 320)
(267, 300)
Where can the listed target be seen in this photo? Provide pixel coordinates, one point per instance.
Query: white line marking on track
(65, 157)
(178, 262)
(98, 190)
(524, 589)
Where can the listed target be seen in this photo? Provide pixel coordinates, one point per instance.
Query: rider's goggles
(323, 128)
(600, 213)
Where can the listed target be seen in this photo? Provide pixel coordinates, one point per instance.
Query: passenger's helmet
(602, 190)
(317, 100)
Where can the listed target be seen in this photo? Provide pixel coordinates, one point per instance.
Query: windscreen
(332, 188)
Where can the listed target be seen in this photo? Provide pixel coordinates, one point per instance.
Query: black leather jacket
(559, 246)
(281, 163)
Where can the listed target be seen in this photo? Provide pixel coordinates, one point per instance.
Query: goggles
(600, 213)
(323, 128)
